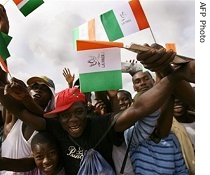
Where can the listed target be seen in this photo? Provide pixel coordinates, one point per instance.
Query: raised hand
(157, 59)
(17, 89)
(68, 76)
(100, 107)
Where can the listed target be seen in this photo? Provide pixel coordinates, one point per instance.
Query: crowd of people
(47, 133)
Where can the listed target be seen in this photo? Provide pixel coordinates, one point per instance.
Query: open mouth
(178, 107)
(74, 129)
(123, 107)
(48, 168)
(37, 96)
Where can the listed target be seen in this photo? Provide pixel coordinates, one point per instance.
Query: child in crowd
(46, 154)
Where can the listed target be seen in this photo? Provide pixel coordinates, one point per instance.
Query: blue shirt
(149, 158)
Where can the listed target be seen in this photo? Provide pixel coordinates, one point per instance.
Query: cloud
(42, 41)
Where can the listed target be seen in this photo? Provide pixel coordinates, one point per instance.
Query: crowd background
(18, 59)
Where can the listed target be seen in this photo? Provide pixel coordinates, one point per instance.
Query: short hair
(43, 137)
(126, 92)
(133, 73)
(147, 72)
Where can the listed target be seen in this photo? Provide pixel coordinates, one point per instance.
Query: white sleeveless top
(16, 146)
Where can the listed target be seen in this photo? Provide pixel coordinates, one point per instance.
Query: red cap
(65, 99)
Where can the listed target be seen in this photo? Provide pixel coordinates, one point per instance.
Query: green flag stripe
(30, 6)
(7, 38)
(111, 26)
(3, 48)
(101, 81)
(75, 37)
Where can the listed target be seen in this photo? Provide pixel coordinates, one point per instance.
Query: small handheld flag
(4, 42)
(119, 22)
(124, 20)
(28, 6)
(100, 67)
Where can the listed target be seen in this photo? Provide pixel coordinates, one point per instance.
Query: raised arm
(17, 165)
(152, 99)
(164, 62)
(18, 90)
(69, 77)
(18, 109)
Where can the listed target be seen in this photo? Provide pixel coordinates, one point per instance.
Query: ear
(134, 88)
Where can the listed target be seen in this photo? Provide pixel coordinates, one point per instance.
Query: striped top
(142, 130)
(149, 158)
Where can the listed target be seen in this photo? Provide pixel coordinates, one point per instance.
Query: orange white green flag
(91, 30)
(124, 20)
(28, 6)
(99, 68)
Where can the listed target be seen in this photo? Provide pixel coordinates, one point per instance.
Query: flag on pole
(91, 30)
(4, 42)
(85, 31)
(28, 6)
(124, 20)
(114, 24)
(3, 65)
(99, 69)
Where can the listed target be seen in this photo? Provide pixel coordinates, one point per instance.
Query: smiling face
(180, 108)
(142, 81)
(46, 157)
(73, 120)
(124, 99)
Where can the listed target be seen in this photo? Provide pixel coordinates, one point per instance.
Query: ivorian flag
(91, 30)
(124, 20)
(4, 42)
(28, 6)
(99, 68)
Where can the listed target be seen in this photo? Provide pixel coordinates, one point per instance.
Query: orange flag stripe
(87, 45)
(91, 29)
(17, 1)
(139, 14)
